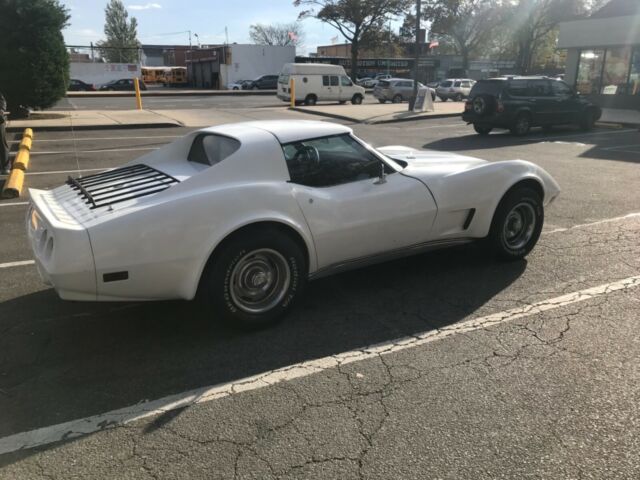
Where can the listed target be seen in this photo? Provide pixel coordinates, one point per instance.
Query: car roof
(285, 131)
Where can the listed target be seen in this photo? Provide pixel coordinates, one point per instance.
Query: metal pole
(417, 59)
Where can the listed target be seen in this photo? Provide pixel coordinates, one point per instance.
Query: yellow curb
(13, 185)
(22, 158)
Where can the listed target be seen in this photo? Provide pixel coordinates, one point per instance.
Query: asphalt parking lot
(482, 369)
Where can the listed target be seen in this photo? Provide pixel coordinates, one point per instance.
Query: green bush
(34, 63)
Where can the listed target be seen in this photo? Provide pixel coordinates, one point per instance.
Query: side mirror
(383, 176)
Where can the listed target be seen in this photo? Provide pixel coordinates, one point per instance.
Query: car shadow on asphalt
(63, 360)
(604, 145)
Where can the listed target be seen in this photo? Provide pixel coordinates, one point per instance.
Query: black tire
(356, 99)
(382, 100)
(433, 97)
(443, 99)
(397, 99)
(221, 285)
(588, 121)
(310, 100)
(482, 129)
(255, 87)
(509, 239)
(521, 125)
(458, 97)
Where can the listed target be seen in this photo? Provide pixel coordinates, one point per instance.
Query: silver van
(456, 89)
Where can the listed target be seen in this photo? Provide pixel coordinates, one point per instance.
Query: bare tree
(354, 19)
(278, 34)
(465, 24)
(532, 22)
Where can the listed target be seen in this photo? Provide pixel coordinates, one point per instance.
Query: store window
(589, 71)
(634, 78)
(616, 71)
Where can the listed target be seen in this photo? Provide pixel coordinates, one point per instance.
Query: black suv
(519, 103)
(265, 82)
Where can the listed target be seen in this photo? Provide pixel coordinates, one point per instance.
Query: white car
(244, 214)
(237, 85)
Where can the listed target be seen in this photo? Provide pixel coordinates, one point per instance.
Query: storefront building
(603, 54)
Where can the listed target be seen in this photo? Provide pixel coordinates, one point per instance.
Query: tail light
(500, 107)
(467, 105)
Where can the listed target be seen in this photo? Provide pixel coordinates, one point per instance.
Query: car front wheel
(356, 99)
(516, 224)
(522, 125)
(254, 279)
(588, 121)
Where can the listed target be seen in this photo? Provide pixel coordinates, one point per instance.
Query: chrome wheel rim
(259, 281)
(519, 226)
(478, 105)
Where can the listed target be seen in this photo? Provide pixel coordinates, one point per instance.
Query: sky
(160, 20)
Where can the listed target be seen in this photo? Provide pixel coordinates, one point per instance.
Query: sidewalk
(93, 120)
(382, 113)
(624, 117)
(172, 92)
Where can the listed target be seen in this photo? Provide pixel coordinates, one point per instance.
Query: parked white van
(318, 82)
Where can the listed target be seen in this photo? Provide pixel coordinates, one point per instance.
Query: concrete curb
(176, 93)
(127, 126)
(373, 121)
(617, 125)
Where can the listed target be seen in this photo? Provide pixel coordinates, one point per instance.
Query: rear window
(446, 84)
(384, 83)
(209, 149)
(487, 87)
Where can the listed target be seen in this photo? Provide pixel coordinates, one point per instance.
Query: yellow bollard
(136, 84)
(13, 185)
(21, 162)
(292, 92)
(27, 133)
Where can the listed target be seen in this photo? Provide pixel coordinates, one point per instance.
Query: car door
(346, 88)
(544, 108)
(330, 87)
(566, 106)
(351, 213)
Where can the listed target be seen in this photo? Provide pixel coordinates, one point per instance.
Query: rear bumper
(61, 249)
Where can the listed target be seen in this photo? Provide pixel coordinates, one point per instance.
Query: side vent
(469, 219)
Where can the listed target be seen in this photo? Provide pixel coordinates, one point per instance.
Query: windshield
(284, 79)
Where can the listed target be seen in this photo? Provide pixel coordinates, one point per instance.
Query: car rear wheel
(397, 98)
(458, 97)
(516, 224)
(521, 125)
(254, 279)
(356, 99)
(310, 100)
(482, 129)
(443, 99)
(588, 121)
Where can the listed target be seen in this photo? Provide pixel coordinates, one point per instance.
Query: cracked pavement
(546, 394)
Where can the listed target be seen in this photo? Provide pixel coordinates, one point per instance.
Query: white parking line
(95, 423)
(105, 150)
(598, 222)
(17, 264)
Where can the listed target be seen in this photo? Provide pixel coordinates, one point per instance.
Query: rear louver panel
(120, 185)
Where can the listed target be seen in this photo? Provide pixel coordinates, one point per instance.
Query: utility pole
(415, 67)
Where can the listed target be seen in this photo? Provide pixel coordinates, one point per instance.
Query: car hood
(430, 162)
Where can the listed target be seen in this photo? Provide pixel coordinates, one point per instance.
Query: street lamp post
(417, 59)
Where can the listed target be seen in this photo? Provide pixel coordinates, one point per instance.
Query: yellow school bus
(174, 77)
(152, 75)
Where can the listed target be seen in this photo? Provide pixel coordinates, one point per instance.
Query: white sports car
(244, 214)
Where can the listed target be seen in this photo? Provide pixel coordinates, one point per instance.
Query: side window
(560, 88)
(466, 84)
(457, 84)
(346, 81)
(325, 81)
(518, 88)
(334, 81)
(539, 88)
(330, 161)
(209, 149)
